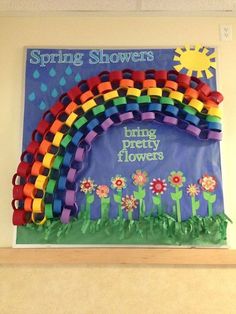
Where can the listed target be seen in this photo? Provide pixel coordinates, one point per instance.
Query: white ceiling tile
(68, 5)
(188, 5)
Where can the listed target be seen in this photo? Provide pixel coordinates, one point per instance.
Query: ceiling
(162, 7)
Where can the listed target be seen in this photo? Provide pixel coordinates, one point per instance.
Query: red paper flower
(193, 190)
(208, 183)
(118, 182)
(176, 178)
(87, 185)
(102, 191)
(129, 203)
(140, 178)
(158, 186)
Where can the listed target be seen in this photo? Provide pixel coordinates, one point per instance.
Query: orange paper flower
(208, 183)
(102, 191)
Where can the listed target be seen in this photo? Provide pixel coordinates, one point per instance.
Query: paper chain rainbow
(45, 183)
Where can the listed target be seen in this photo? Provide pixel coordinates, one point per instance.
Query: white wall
(17, 32)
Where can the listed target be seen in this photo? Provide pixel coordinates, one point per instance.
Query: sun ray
(195, 60)
(176, 58)
(205, 50)
(198, 47)
(187, 47)
(213, 65)
(179, 51)
(189, 72)
(212, 56)
(178, 67)
(199, 74)
(208, 73)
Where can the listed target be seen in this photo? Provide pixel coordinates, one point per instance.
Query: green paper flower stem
(89, 199)
(158, 202)
(118, 199)
(105, 204)
(210, 198)
(140, 195)
(210, 209)
(142, 206)
(195, 206)
(130, 215)
(177, 197)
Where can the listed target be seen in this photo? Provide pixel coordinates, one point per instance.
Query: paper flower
(140, 178)
(208, 183)
(102, 191)
(158, 186)
(192, 190)
(176, 178)
(129, 203)
(118, 182)
(87, 185)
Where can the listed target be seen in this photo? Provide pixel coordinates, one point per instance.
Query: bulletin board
(120, 147)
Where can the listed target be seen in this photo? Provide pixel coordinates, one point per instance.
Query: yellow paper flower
(193, 190)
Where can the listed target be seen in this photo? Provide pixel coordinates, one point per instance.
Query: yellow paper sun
(195, 59)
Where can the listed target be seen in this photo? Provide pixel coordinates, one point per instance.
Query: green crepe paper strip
(196, 223)
(195, 205)
(177, 197)
(140, 195)
(118, 198)
(164, 228)
(210, 198)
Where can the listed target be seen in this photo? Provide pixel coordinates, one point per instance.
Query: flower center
(158, 186)
(118, 182)
(87, 185)
(176, 179)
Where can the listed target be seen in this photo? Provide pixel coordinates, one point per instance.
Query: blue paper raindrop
(52, 72)
(43, 87)
(54, 93)
(31, 96)
(77, 77)
(62, 81)
(36, 74)
(68, 70)
(42, 105)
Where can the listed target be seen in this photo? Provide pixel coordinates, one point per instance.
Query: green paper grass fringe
(162, 229)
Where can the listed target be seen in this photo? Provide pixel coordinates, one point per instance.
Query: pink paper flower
(102, 191)
(208, 183)
(158, 186)
(192, 190)
(87, 185)
(140, 178)
(129, 203)
(176, 178)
